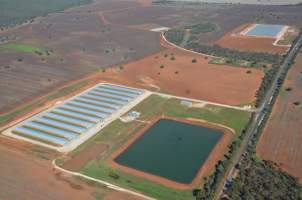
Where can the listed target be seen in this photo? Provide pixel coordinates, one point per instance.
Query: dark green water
(171, 149)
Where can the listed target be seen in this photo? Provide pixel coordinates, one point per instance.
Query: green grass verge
(117, 133)
(288, 40)
(237, 63)
(26, 48)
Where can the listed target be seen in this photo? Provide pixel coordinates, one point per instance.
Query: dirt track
(24, 176)
(281, 140)
(21, 177)
(77, 162)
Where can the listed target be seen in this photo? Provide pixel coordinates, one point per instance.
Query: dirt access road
(24, 176)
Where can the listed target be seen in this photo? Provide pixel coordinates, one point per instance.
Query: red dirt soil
(234, 40)
(21, 177)
(24, 176)
(216, 154)
(281, 140)
(77, 162)
(217, 83)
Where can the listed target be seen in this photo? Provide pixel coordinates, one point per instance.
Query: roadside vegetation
(16, 12)
(260, 179)
(263, 180)
(203, 27)
(183, 35)
(256, 178)
(117, 133)
(212, 183)
(238, 63)
(216, 50)
(175, 36)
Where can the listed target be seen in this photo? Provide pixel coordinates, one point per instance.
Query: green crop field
(25, 48)
(118, 133)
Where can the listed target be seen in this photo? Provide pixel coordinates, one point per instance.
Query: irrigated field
(281, 140)
(118, 135)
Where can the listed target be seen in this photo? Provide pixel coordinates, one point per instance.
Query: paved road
(262, 112)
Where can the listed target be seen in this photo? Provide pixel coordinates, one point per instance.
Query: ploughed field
(281, 140)
(171, 149)
(77, 44)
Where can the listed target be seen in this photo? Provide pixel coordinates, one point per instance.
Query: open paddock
(172, 71)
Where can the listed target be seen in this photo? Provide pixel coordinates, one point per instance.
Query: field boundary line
(107, 184)
(207, 102)
(184, 49)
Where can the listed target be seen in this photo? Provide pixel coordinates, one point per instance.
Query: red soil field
(216, 153)
(25, 176)
(217, 83)
(77, 162)
(21, 177)
(234, 40)
(281, 140)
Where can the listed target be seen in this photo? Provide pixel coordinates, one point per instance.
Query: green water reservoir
(171, 149)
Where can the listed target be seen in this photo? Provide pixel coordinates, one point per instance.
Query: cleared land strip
(247, 108)
(184, 49)
(108, 185)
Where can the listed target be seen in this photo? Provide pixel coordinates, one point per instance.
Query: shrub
(297, 103)
(114, 175)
